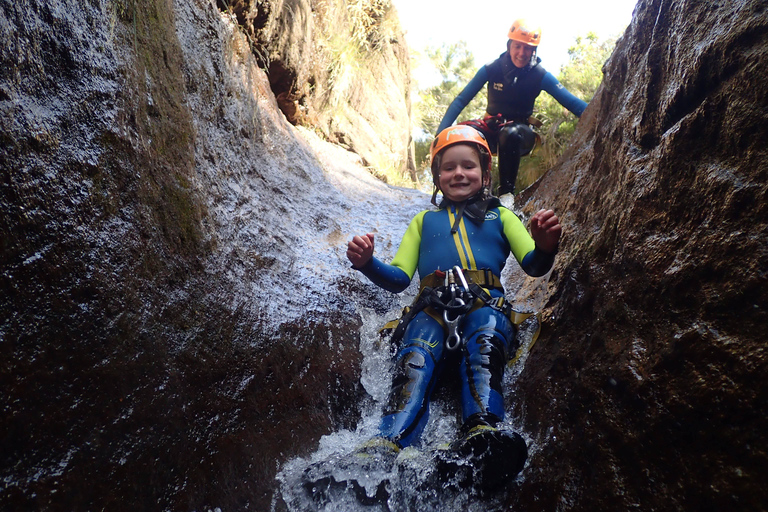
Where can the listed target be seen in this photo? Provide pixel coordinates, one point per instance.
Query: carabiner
(457, 271)
(453, 340)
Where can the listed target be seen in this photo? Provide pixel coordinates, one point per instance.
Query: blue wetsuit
(518, 85)
(512, 92)
(434, 240)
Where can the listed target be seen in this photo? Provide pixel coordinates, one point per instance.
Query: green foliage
(583, 73)
(581, 76)
(455, 65)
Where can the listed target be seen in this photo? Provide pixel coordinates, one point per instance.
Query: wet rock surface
(646, 386)
(177, 317)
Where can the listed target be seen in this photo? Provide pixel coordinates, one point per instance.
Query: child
(473, 231)
(514, 81)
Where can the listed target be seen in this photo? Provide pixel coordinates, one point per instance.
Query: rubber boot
(509, 160)
(515, 141)
(364, 472)
(497, 455)
(484, 457)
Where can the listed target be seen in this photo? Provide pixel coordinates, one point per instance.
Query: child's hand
(546, 230)
(360, 250)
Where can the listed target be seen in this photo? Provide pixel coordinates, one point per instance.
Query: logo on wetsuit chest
(491, 215)
(498, 86)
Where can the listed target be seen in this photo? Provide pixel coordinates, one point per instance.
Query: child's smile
(461, 175)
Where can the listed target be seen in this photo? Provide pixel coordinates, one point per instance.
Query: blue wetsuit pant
(485, 348)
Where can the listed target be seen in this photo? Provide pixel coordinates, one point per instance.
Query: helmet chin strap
(474, 207)
(484, 192)
(434, 196)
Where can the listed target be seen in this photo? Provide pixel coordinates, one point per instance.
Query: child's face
(460, 176)
(520, 53)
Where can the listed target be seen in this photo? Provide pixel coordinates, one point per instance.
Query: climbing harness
(488, 124)
(491, 125)
(452, 295)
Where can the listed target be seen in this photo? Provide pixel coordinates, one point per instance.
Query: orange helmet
(458, 134)
(521, 32)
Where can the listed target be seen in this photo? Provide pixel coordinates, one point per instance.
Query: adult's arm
(555, 89)
(462, 100)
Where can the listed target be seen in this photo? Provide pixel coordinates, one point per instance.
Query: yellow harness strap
(482, 277)
(486, 279)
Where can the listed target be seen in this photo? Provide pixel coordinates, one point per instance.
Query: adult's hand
(546, 230)
(360, 250)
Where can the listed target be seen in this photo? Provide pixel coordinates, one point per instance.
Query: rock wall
(158, 210)
(647, 386)
(176, 313)
(340, 67)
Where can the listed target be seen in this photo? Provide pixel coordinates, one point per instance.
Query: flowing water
(411, 482)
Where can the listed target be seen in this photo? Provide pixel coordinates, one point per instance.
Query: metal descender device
(456, 306)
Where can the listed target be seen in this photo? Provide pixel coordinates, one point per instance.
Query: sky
(485, 29)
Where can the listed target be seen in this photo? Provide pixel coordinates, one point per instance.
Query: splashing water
(411, 483)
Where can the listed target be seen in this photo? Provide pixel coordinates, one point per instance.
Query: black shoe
(453, 471)
(505, 189)
(494, 456)
(371, 463)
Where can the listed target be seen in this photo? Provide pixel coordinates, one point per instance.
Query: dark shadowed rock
(648, 385)
(177, 317)
(176, 313)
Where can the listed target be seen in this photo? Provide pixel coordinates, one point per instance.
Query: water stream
(411, 482)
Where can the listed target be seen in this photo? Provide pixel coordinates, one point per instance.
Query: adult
(514, 81)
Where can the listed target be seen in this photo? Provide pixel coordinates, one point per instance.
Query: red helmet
(522, 32)
(457, 134)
